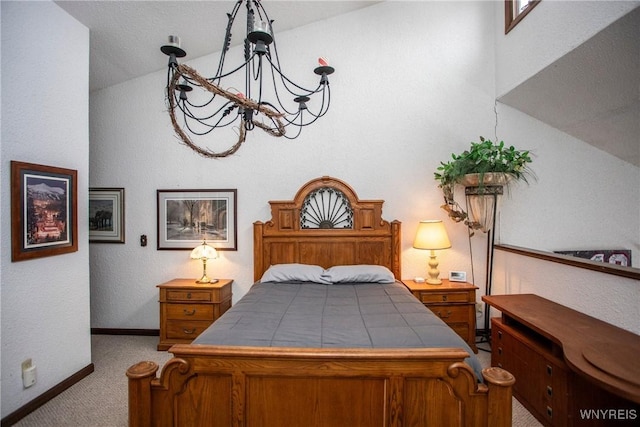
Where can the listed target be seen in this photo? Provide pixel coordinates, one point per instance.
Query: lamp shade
(204, 251)
(431, 235)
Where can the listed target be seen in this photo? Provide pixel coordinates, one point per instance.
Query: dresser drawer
(186, 329)
(450, 313)
(188, 295)
(440, 297)
(189, 311)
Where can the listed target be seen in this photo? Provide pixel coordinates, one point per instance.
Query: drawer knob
(443, 316)
(500, 350)
(500, 334)
(189, 331)
(549, 370)
(189, 312)
(549, 391)
(549, 412)
(188, 295)
(444, 297)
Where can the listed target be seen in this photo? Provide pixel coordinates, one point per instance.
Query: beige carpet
(101, 398)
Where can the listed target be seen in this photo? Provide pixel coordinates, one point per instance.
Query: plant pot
(489, 178)
(482, 206)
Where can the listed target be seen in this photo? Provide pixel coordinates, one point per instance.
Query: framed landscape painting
(187, 217)
(106, 215)
(44, 208)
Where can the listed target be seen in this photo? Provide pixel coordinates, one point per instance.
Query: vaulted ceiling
(592, 93)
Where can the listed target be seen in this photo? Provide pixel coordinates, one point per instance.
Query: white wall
(551, 30)
(402, 101)
(410, 88)
(594, 202)
(582, 197)
(606, 297)
(45, 301)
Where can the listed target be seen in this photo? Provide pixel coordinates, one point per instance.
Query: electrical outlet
(478, 307)
(29, 373)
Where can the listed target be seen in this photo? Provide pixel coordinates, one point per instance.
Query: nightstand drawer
(189, 330)
(461, 329)
(189, 311)
(187, 295)
(439, 297)
(451, 314)
(187, 308)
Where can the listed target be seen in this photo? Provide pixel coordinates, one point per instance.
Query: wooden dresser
(568, 366)
(453, 302)
(187, 308)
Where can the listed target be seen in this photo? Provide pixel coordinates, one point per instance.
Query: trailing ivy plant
(481, 158)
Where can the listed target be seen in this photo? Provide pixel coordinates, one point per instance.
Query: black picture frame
(187, 217)
(106, 215)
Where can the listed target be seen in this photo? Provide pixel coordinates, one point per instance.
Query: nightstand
(187, 308)
(453, 302)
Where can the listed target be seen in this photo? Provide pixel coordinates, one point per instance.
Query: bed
(325, 259)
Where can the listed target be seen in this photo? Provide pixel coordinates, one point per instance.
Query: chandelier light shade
(431, 235)
(268, 99)
(204, 252)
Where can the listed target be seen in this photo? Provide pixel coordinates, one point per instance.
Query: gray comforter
(353, 315)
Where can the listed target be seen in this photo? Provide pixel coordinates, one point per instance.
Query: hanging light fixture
(198, 105)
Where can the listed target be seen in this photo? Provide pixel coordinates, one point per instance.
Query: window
(515, 11)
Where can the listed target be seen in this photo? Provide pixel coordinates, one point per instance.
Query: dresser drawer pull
(444, 297)
(549, 391)
(189, 331)
(189, 312)
(549, 370)
(189, 295)
(500, 350)
(549, 412)
(500, 334)
(444, 317)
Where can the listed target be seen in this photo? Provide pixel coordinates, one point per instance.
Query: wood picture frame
(106, 215)
(44, 211)
(187, 217)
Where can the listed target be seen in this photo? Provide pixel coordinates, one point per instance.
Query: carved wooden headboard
(326, 224)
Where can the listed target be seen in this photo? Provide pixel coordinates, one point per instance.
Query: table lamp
(433, 236)
(204, 252)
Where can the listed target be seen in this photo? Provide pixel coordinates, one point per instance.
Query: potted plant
(485, 163)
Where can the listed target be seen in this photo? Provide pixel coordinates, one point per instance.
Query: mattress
(351, 315)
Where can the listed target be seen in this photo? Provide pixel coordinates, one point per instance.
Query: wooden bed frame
(205, 385)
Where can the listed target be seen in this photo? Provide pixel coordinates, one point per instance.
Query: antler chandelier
(198, 105)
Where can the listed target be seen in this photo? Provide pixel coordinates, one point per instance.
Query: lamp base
(433, 270)
(205, 279)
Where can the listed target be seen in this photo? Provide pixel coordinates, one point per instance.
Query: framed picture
(187, 217)
(44, 211)
(106, 215)
(612, 256)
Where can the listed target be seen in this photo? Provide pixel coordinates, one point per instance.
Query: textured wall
(410, 89)
(603, 296)
(45, 301)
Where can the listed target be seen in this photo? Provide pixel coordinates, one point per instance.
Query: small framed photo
(187, 217)
(457, 276)
(44, 208)
(106, 215)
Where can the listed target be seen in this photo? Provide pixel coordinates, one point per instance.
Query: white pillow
(294, 273)
(358, 274)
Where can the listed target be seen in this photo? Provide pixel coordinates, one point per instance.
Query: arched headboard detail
(326, 207)
(285, 238)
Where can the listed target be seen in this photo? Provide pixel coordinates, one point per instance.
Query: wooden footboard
(244, 386)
